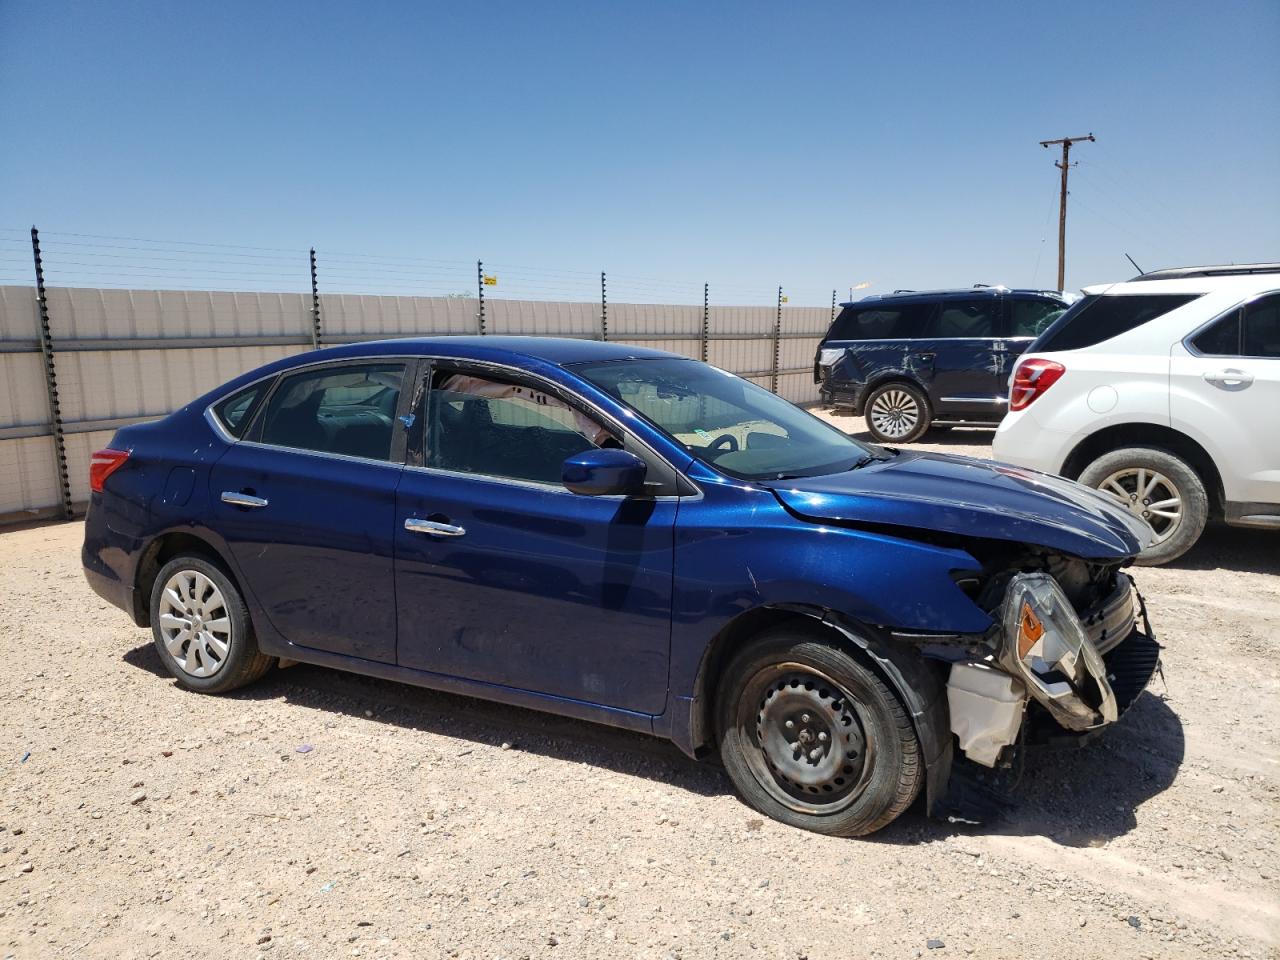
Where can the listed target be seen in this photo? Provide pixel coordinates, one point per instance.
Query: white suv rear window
(1099, 317)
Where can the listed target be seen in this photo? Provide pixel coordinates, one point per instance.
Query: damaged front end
(1049, 668)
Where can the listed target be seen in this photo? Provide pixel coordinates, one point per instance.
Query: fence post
(51, 381)
(777, 342)
(706, 319)
(833, 306)
(480, 293)
(315, 305)
(604, 310)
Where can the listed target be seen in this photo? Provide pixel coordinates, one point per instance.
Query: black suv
(910, 359)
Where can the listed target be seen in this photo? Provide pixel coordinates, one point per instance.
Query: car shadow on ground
(1076, 796)
(473, 722)
(1233, 548)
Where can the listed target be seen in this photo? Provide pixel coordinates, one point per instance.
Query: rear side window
(1249, 331)
(964, 318)
(347, 410)
(1097, 318)
(1262, 327)
(1030, 318)
(884, 322)
(234, 411)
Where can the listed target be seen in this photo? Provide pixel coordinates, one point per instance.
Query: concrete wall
(127, 355)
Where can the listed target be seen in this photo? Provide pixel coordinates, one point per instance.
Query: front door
(505, 577)
(1025, 319)
(961, 335)
(307, 507)
(1225, 390)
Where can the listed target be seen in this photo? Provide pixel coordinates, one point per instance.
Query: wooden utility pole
(1066, 143)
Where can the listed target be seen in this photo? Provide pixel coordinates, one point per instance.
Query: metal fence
(79, 362)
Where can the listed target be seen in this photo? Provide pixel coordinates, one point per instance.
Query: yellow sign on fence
(490, 281)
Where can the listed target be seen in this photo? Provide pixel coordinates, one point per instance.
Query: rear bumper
(109, 588)
(842, 393)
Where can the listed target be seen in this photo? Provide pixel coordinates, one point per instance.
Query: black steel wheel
(812, 736)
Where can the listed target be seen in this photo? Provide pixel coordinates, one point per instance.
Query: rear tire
(1155, 482)
(813, 737)
(897, 412)
(201, 628)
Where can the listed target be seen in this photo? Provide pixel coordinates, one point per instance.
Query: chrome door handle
(243, 499)
(1230, 379)
(433, 528)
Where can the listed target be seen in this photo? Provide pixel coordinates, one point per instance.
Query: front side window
(880, 322)
(743, 430)
(1262, 327)
(348, 410)
(501, 428)
(963, 319)
(1030, 318)
(1098, 317)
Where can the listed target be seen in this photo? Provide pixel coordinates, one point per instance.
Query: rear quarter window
(1098, 318)
(881, 321)
(234, 411)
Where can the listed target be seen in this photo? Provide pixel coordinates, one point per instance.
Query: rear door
(307, 505)
(961, 337)
(870, 338)
(504, 576)
(1225, 391)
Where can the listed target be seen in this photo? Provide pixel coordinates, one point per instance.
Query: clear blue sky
(815, 145)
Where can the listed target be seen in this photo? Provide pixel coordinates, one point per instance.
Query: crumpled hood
(972, 498)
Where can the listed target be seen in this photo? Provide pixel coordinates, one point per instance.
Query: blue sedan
(626, 536)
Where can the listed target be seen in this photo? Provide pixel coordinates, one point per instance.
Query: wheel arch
(1152, 435)
(917, 682)
(163, 548)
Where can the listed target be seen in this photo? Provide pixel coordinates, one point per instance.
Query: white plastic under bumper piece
(986, 706)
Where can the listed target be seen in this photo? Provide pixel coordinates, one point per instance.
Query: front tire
(201, 628)
(813, 737)
(897, 412)
(1161, 488)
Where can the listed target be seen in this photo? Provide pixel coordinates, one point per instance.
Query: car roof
(951, 293)
(1220, 270)
(498, 349)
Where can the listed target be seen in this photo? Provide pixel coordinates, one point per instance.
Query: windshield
(741, 429)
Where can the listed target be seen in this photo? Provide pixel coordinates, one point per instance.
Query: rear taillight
(1033, 377)
(103, 464)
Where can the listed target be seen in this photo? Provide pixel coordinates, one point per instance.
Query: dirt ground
(137, 820)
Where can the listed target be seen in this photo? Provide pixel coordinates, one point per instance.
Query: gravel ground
(137, 820)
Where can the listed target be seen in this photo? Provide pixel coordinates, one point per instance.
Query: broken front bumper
(1051, 674)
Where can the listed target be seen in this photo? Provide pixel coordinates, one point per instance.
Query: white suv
(1163, 392)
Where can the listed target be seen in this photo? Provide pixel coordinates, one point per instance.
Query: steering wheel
(727, 441)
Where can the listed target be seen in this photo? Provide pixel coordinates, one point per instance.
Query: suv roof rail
(903, 290)
(1225, 270)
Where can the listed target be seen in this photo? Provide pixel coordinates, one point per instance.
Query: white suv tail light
(1033, 377)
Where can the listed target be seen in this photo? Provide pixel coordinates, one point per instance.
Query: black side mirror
(604, 472)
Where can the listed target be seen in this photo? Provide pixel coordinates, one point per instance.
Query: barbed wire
(130, 262)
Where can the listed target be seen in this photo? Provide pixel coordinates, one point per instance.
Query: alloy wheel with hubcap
(194, 623)
(895, 413)
(201, 627)
(1148, 494)
(1161, 488)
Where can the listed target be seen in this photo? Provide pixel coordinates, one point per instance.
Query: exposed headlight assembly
(1045, 644)
(828, 356)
